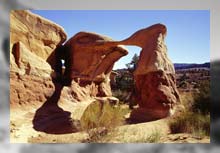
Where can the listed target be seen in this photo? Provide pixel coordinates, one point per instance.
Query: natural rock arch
(92, 57)
(36, 48)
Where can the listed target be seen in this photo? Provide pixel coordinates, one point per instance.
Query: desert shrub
(184, 77)
(96, 135)
(189, 122)
(183, 84)
(105, 115)
(125, 82)
(196, 116)
(187, 99)
(153, 138)
(202, 99)
(98, 124)
(120, 94)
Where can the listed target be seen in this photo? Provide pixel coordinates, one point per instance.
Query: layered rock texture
(33, 40)
(155, 83)
(39, 35)
(89, 62)
(59, 97)
(46, 97)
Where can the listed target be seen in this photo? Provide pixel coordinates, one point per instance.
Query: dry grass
(103, 135)
(109, 117)
(149, 132)
(195, 119)
(154, 137)
(99, 126)
(187, 122)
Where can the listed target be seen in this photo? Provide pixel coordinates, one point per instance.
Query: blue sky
(188, 37)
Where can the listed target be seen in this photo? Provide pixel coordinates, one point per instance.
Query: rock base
(140, 115)
(156, 93)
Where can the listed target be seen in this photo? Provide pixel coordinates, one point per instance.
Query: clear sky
(188, 37)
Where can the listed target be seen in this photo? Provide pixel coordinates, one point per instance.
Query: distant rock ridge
(179, 66)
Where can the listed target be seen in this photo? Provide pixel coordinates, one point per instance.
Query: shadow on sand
(52, 119)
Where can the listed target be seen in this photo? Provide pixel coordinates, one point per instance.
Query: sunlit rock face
(38, 34)
(33, 39)
(44, 88)
(90, 60)
(38, 81)
(155, 83)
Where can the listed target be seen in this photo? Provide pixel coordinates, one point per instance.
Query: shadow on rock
(52, 119)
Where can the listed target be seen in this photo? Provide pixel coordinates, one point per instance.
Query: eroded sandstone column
(155, 83)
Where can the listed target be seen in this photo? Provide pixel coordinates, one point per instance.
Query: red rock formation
(92, 62)
(32, 41)
(35, 49)
(38, 34)
(155, 83)
(29, 91)
(39, 96)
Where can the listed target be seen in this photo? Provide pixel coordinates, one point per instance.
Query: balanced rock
(155, 83)
(69, 117)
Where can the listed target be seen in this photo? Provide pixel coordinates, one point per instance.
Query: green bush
(202, 99)
(196, 117)
(120, 94)
(188, 122)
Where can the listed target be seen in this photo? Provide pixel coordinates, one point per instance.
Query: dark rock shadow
(52, 119)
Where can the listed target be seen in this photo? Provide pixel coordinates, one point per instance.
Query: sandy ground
(22, 131)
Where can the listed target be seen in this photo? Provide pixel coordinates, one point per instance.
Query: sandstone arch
(90, 62)
(154, 77)
(36, 46)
